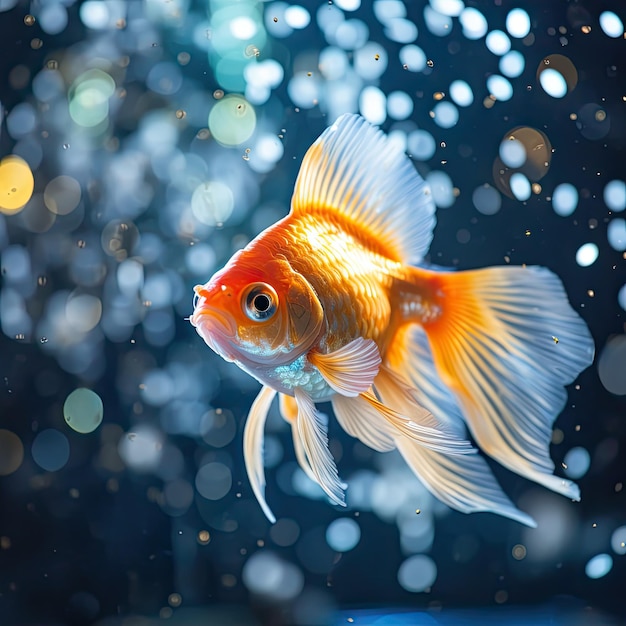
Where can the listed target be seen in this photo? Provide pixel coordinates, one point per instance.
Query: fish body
(328, 304)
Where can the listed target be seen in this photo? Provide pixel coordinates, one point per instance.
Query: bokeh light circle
(232, 120)
(520, 186)
(51, 450)
(461, 93)
(512, 152)
(576, 462)
(267, 575)
(616, 234)
(62, 195)
(618, 540)
(611, 24)
(16, 184)
(518, 23)
(612, 365)
(587, 254)
(486, 199)
(212, 203)
(512, 64)
(557, 75)
(11, 452)
(83, 410)
(538, 158)
(417, 573)
(421, 145)
(343, 534)
(599, 566)
(614, 195)
(445, 114)
(213, 480)
(564, 199)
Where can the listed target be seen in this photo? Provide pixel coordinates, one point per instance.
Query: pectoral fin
(350, 370)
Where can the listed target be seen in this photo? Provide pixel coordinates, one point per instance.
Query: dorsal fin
(354, 169)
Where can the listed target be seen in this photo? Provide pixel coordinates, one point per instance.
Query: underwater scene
(312, 313)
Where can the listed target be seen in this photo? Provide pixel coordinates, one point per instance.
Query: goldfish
(335, 303)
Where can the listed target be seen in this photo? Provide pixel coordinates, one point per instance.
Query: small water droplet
(29, 19)
(81, 243)
(66, 146)
(180, 114)
(430, 63)
(377, 57)
(42, 281)
(44, 340)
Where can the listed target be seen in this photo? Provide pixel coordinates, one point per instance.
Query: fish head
(257, 314)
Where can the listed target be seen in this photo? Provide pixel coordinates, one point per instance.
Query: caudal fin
(506, 342)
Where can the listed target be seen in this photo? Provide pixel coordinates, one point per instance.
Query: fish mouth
(217, 329)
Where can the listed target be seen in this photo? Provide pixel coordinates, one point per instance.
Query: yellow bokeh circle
(16, 184)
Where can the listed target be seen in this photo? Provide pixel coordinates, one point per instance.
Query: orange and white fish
(328, 305)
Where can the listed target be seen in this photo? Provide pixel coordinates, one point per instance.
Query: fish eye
(260, 302)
